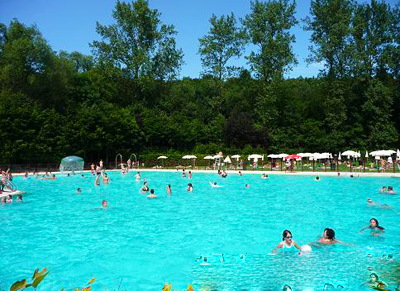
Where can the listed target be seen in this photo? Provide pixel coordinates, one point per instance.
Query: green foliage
(330, 34)
(223, 42)
(125, 101)
(268, 27)
(138, 43)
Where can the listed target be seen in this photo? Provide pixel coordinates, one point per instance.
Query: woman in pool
(287, 242)
(106, 179)
(169, 191)
(145, 188)
(9, 199)
(190, 187)
(374, 226)
(97, 181)
(374, 281)
(383, 189)
(137, 176)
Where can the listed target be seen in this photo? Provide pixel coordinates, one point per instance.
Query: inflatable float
(12, 193)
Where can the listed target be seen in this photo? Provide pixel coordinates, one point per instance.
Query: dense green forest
(128, 97)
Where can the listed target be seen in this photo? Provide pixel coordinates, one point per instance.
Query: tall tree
(223, 42)
(374, 38)
(138, 43)
(378, 111)
(268, 28)
(330, 35)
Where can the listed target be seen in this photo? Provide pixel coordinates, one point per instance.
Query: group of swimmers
(9, 199)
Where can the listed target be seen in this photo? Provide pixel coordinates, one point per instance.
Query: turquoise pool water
(140, 243)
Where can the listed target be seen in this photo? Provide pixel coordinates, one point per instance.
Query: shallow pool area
(140, 243)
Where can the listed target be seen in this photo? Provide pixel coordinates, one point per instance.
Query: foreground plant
(168, 287)
(37, 278)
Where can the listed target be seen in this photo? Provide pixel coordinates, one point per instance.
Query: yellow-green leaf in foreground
(18, 285)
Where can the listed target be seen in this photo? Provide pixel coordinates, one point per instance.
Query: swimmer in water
(287, 288)
(169, 191)
(19, 198)
(205, 263)
(370, 202)
(190, 187)
(104, 204)
(137, 176)
(190, 175)
(390, 190)
(247, 186)
(152, 195)
(383, 189)
(317, 179)
(78, 190)
(287, 242)
(106, 179)
(215, 185)
(263, 176)
(374, 226)
(183, 173)
(145, 188)
(328, 238)
(374, 281)
(240, 173)
(9, 199)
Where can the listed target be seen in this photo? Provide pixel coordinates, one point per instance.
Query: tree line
(127, 98)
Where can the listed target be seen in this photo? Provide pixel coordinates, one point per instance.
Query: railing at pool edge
(332, 166)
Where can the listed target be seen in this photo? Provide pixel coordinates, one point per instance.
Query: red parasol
(293, 156)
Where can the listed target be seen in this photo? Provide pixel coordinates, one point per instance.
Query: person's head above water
(79, 190)
(390, 188)
(384, 188)
(373, 278)
(152, 191)
(329, 233)
(287, 288)
(373, 223)
(286, 235)
(104, 203)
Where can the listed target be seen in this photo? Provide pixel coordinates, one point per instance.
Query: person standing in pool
(287, 242)
(145, 188)
(169, 191)
(190, 174)
(152, 195)
(374, 226)
(106, 179)
(190, 187)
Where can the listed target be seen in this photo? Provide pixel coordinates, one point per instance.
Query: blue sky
(71, 25)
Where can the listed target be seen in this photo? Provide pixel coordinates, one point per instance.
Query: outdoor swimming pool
(140, 243)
